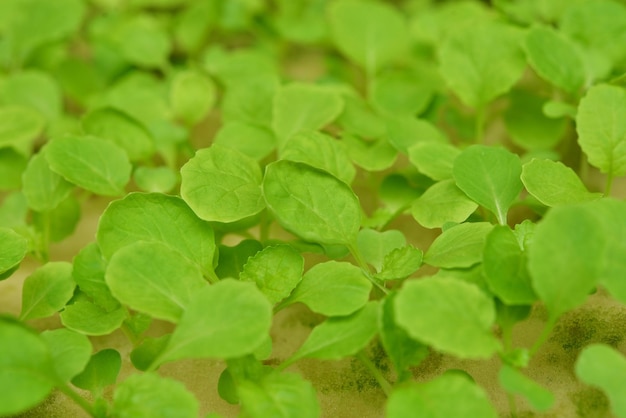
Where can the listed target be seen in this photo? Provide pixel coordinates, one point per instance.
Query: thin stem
(608, 185)
(212, 277)
(512, 405)
(382, 381)
(543, 337)
(264, 230)
(365, 268)
(479, 127)
(80, 401)
(44, 237)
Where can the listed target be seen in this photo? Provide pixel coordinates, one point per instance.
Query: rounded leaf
(13, 248)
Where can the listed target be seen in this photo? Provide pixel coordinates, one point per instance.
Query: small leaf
(333, 289)
(256, 142)
(443, 202)
(69, 351)
(359, 119)
(33, 89)
(435, 159)
(13, 248)
(458, 247)
(515, 382)
(90, 319)
(92, 163)
(404, 132)
(222, 185)
(276, 271)
(43, 188)
(47, 290)
(12, 165)
(375, 245)
(465, 316)
(312, 203)
(148, 351)
(232, 259)
(376, 155)
(88, 272)
(490, 176)
(20, 127)
(101, 371)
(401, 93)
(192, 95)
(155, 179)
(144, 42)
(401, 263)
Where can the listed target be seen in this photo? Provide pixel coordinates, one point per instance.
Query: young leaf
(34, 89)
(312, 203)
(13, 248)
(490, 176)
(401, 263)
(435, 159)
(156, 217)
(69, 351)
(276, 271)
(376, 155)
(143, 42)
(88, 273)
(359, 119)
(515, 382)
(92, 163)
(44, 189)
(192, 95)
(467, 60)
(22, 125)
(232, 259)
(404, 132)
(554, 184)
(101, 371)
(256, 142)
(458, 247)
(301, 107)
(222, 185)
(27, 371)
(152, 278)
(602, 129)
(374, 245)
(333, 289)
(228, 319)
(369, 33)
(150, 395)
(340, 337)
(400, 93)
(147, 352)
(465, 316)
(449, 395)
(12, 165)
(286, 395)
(90, 319)
(156, 179)
(47, 290)
(604, 367)
(443, 202)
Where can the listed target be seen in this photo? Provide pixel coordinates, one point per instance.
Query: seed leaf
(458, 247)
(90, 319)
(47, 290)
(443, 202)
(13, 248)
(69, 350)
(513, 381)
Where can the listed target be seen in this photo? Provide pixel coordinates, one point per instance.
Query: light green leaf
(369, 33)
(92, 163)
(602, 128)
(60, 221)
(101, 371)
(312, 203)
(88, 272)
(321, 151)
(143, 41)
(156, 217)
(90, 319)
(232, 259)
(12, 165)
(43, 188)
(286, 395)
(401, 93)
(332, 288)
(225, 320)
(404, 132)
(401, 263)
(276, 270)
(375, 245)
(554, 184)
(359, 119)
(221, 184)
(156, 179)
(449, 395)
(254, 141)
(33, 89)
(120, 128)
(13, 248)
(458, 247)
(490, 176)
(443, 202)
(192, 95)
(465, 315)
(468, 60)
(435, 159)
(556, 109)
(150, 395)
(604, 367)
(47, 290)
(340, 337)
(375, 155)
(69, 351)
(20, 126)
(301, 107)
(554, 58)
(251, 100)
(152, 278)
(513, 381)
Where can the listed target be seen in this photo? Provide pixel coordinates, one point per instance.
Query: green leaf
(152, 278)
(101, 371)
(513, 381)
(504, 264)
(150, 395)
(301, 107)
(27, 372)
(20, 126)
(92, 163)
(401, 263)
(221, 184)
(147, 352)
(602, 129)
(156, 179)
(47, 290)
(122, 129)
(458, 247)
(375, 245)
(401, 93)
(144, 42)
(156, 217)
(69, 351)
(449, 395)
(490, 176)
(90, 319)
(12, 165)
(556, 109)
(467, 60)
(340, 337)
(34, 89)
(88, 272)
(554, 184)
(435, 159)
(321, 151)
(376, 155)
(251, 100)
(604, 367)
(465, 316)
(192, 95)
(232, 259)
(256, 142)
(554, 58)
(225, 320)
(44, 189)
(443, 202)
(60, 221)
(404, 132)
(369, 33)
(286, 395)
(312, 203)
(332, 288)
(359, 119)
(13, 248)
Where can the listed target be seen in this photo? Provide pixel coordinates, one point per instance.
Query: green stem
(365, 268)
(543, 337)
(44, 235)
(512, 405)
(384, 383)
(608, 185)
(479, 127)
(264, 230)
(212, 277)
(79, 400)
